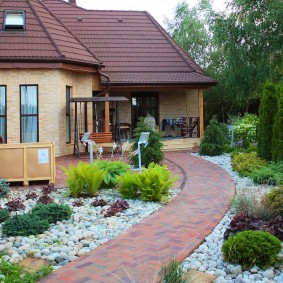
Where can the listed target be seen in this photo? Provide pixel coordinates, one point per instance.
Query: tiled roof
(45, 38)
(133, 46)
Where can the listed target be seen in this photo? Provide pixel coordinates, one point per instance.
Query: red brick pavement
(175, 231)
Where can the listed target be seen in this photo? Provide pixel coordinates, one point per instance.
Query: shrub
(4, 188)
(25, 225)
(172, 272)
(117, 206)
(4, 214)
(274, 200)
(154, 183)
(214, 139)
(152, 152)
(113, 169)
(250, 248)
(45, 199)
(15, 273)
(83, 178)
(52, 212)
(99, 202)
(31, 195)
(267, 111)
(15, 205)
(245, 163)
(245, 130)
(127, 185)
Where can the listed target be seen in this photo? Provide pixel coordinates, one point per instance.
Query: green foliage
(113, 169)
(270, 174)
(154, 183)
(274, 200)
(4, 214)
(15, 273)
(127, 185)
(250, 248)
(245, 130)
(267, 111)
(153, 151)
(172, 272)
(277, 137)
(83, 178)
(52, 212)
(245, 163)
(4, 188)
(25, 225)
(214, 139)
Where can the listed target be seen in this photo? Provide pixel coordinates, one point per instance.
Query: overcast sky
(159, 9)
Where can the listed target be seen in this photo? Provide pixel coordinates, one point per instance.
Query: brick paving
(137, 255)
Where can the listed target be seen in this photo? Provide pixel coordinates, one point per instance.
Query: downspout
(107, 110)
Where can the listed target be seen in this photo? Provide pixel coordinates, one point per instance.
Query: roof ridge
(61, 23)
(66, 2)
(45, 29)
(174, 44)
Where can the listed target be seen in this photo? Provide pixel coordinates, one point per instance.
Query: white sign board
(43, 156)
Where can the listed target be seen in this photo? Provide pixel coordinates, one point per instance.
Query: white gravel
(208, 257)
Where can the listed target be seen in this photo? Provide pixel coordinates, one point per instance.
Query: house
(53, 53)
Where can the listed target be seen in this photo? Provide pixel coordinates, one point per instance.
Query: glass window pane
(3, 128)
(29, 129)
(15, 19)
(2, 101)
(28, 100)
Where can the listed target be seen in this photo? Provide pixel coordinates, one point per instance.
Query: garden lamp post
(143, 140)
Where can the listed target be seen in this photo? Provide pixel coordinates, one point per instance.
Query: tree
(277, 138)
(267, 111)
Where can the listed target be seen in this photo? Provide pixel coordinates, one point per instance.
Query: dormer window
(14, 20)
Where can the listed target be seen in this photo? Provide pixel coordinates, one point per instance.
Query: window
(29, 113)
(14, 20)
(3, 114)
(68, 114)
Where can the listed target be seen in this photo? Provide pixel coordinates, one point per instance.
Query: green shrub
(274, 200)
(15, 273)
(52, 212)
(245, 130)
(4, 214)
(245, 163)
(152, 152)
(214, 139)
(4, 188)
(154, 183)
(113, 169)
(83, 178)
(127, 185)
(265, 175)
(267, 111)
(172, 272)
(250, 248)
(25, 225)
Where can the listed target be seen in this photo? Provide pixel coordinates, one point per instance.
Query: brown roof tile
(45, 37)
(133, 46)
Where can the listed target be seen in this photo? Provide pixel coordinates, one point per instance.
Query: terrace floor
(137, 255)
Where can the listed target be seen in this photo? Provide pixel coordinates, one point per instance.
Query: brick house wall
(51, 100)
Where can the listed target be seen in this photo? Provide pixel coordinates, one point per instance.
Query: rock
(268, 274)
(236, 270)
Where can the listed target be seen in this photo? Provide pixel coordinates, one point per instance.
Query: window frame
(29, 115)
(68, 114)
(14, 27)
(5, 116)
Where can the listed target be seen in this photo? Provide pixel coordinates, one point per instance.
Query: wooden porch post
(201, 120)
(107, 115)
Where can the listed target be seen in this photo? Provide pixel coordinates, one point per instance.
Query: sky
(159, 9)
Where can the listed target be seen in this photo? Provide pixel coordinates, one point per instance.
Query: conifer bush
(214, 139)
(4, 214)
(267, 111)
(252, 248)
(274, 200)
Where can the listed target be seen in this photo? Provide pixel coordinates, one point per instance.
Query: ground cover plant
(4, 214)
(15, 273)
(252, 248)
(270, 174)
(83, 179)
(4, 188)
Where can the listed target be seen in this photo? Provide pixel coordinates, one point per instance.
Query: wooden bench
(100, 137)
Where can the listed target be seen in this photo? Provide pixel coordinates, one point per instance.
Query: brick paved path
(176, 230)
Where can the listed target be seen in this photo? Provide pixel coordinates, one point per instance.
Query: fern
(127, 185)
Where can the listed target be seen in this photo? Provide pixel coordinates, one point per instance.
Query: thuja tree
(267, 111)
(153, 151)
(277, 138)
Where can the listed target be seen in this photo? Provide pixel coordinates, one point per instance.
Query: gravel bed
(208, 257)
(87, 229)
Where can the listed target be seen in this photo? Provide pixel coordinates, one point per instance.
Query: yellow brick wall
(52, 103)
